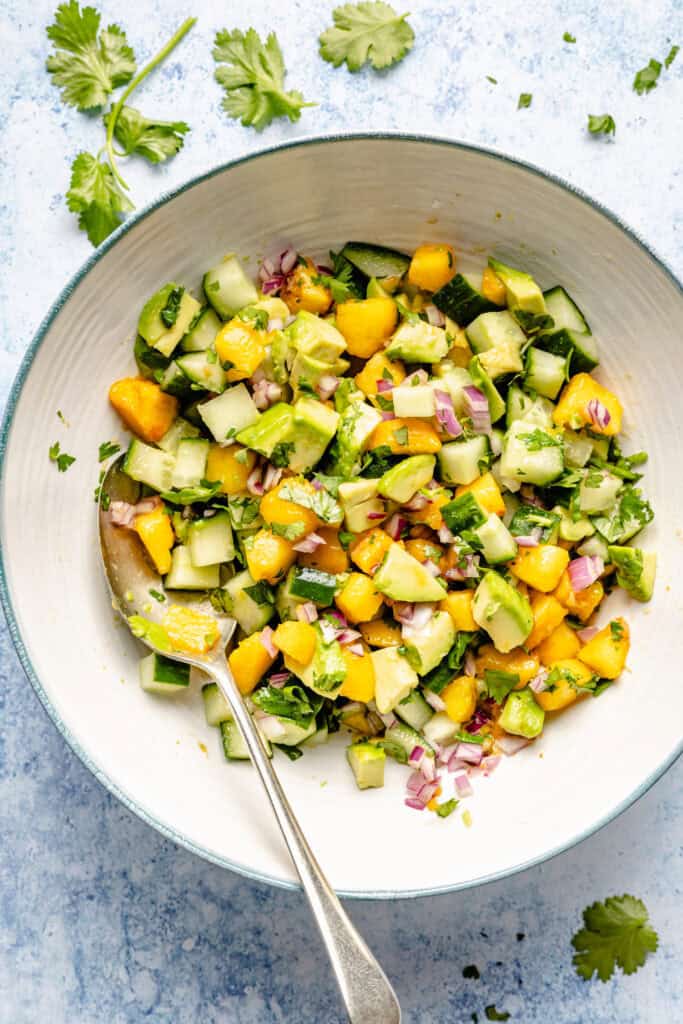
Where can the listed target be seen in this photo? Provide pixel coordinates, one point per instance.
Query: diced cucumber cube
(234, 747)
(178, 431)
(228, 288)
(163, 675)
(148, 465)
(216, 707)
(210, 541)
(190, 462)
(183, 575)
(461, 462)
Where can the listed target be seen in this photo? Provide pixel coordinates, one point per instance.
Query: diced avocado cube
(521, 715)
(282, 355)
(312, 336)
(495, 330)
(573, 529)
(365, 515)
(428, 645)
(403, 480)
(367, 764)
(326, 671)
(313, 428)
(229, 413)
(163, 675)
(307, 371)
(521, 290)
(358, 421)
(295, 732)
(402, 578)
(274, 427)
(636, 570)
(502, 612)
(355, 492)
(314, 585)
(166, 316)
(228, 288)
(414, 400)
(501, 360)
(394, 678)
(216, 707)
(418, 342)
(482, 380)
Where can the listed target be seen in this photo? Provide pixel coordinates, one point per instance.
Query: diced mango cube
(380, 633)
(458, 604)
(517, 662)
(581, 603)
(269, 556)
(189, 630)
(297, 640)
(541, 567)
(574, 408)
(144, 407)
(406, 437)
(223, 464)
(303, 290)
(379, 367)
(492, 287)
(460, 698)
(486, 491)
(249, 662)
(366, 324)
(369, 549)
(566, 675)
(561, 644)
(275, 509)
(240, 348)
(606, 653)
(359, 600)
(156, 533)
(432, 266)
(360, 677)
(548, 613)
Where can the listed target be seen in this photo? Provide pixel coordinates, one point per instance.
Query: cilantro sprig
(601, 124)
(253, 75)
(366, 33)
(616, 933)
(62, 460)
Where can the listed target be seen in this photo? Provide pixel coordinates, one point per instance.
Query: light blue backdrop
(101, 920)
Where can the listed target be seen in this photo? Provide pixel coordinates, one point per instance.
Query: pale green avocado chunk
(151, 325)
(521, 290)
(521, 715)
(274, 427)
(365, 515)
(406, 478)
(355, 492)
(402, 578)
(482, 380)
(418, 342)
(358, 421)
(312, 336)
(502, 612)
(367, 762)
(430, 645)
(306, 372)
(293, 436)
(395, 678)
(502, 359)
(493, 330)
(636, 570)
(326, 671)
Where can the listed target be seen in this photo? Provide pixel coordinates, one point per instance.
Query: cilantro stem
(148, 68)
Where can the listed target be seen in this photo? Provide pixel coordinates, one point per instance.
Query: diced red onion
(469, 665)
(288, 260)
(328, 631)
(416, 503)
(418, 619)
(477, 407)
(278, 679)
(416, 755)
(434, 700)
(416, 377)
(585, 570)
(428, 769)
(445, 535)
(414, 803)
(384, 385)
(540, 681)
(327, 385)
(530, 540)
(271, 728)
(266, 638)
(348, 636)
(511, 745)
(445, 413)
(324, 269)
(334, 613)
(470, 570)
(376, 515)
(268, 268)
(489, 764)
(445, 753)
(307, 612)
(529, 494)
(403, 612)
(272, 477)
(587, 634)
(598, 413)
(434, 315)
(415, 783)
(276, 324)
(462, 786)
(272, 284)
(395, 526)
(356, 649)
(456, 765)
(310, 543)
(257, 376)
(472, 753)
(432, 568)
(122, 513)
(388, 719)
(386, 414)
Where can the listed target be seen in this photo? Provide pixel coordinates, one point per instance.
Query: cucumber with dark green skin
(565, 342)
(175, 382)
(147, 358)
(314, 585)
(376, 260)
(461, 301)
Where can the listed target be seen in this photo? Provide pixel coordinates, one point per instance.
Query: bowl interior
(158, 755)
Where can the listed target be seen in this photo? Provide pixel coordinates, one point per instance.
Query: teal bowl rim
(8, 416)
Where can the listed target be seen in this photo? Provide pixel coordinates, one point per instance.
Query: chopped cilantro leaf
(190, 495)
(538, 439)
(150, 138)
(169, 314)
(261, 593)
(616, 933)
(401, 436)
(107, 449)
(569, 38)
(524, 100)
(366, 32)
(617, 630)
(62, 460)
(499, 684)
(279, 456)
(671, 56)
(601, 124)
(321, 502)
(445, 809)
(492, 80)
(646, 78)
(290, 531)
(493, 1014)
(60, 415)
(157, 595)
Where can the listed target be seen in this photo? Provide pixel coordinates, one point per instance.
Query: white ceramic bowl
(591, 763)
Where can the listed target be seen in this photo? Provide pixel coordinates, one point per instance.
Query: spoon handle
(365, 989)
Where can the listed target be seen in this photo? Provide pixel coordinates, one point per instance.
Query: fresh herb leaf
(150, 138)
(671, 56)
(537, 439)
(85, 65)
(569, 38)
(470, 737)
(258, 318)
(646, 78)
(321, 502)
(499, 684)
(529, 517)
(221, 601)
(169, 314)
(96, 197)
(532, 323)
(524, 100)
(440, 677)
(99, 495)
(279, 456)
(61, 416)
(293, 753)
(243, 512)
(157, 595)
(107, 449)
(616, 933)
(401, 436)
(261, 593)
(290, 531)
(601, 124)
(341, 285)
(330, 483)
(190, 495)
(305, 387)
(617, 630)
(345, 538)
(492, 80)
(290, 702)
(253, 76)
(366, 32)
(378, 461)
(61, 458)
(445, 809)
(493, 1014)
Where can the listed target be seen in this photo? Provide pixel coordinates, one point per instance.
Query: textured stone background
(101, 920)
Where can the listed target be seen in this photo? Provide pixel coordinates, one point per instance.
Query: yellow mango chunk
(548, 613)
(458, 604)
(516, 661)
(406, 437)
(366, 324)
(581, 603)
(156, 533)
(379, 367)
(573, 409)
(223, 464)
(486, 491)
(249, 662)
(269, 556)
(562, 643)
(189, 630)
(565, 675)
(430, 515)
(301, 290)
(541, 567)
(492, 287)
(370, 548)
(275, 509)
(380, 633)
(240, 345)
(144, 407)
(432, 266)
(460, 698)
(606, 653)
(297, 640)
(360, 677)
(358, 600)
(330, 556)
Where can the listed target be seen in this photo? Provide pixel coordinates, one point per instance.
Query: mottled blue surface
(101, 920)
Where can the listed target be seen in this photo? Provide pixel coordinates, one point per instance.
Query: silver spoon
(365, 989)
